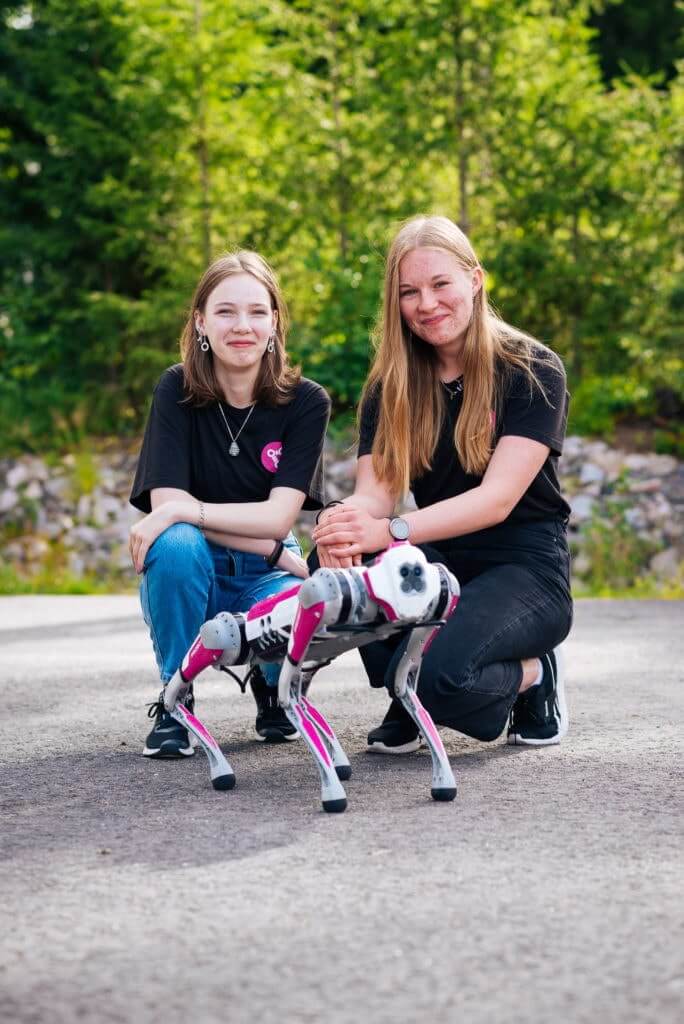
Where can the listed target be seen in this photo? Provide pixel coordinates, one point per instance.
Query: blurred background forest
(140, 138)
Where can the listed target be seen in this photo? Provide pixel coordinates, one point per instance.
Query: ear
(199, 321)
(478, 279)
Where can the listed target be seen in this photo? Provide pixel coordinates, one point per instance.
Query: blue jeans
(188, 580)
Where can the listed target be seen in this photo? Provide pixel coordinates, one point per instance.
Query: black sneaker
(398, 733)
(540, 714)
(168, 737)
(272, 724)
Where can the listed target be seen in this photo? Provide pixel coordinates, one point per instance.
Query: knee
(178, 550)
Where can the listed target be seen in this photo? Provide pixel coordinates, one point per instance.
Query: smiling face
(436, 297)
(238, 321)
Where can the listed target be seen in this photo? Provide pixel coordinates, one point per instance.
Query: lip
(241, 344)
(434, 320)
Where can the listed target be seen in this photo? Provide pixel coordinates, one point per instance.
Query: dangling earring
(271, 344)
(201, 338)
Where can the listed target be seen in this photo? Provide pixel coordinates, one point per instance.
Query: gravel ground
(132, 891)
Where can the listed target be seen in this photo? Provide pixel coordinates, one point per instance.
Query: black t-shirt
(186, 446)
(523, 413)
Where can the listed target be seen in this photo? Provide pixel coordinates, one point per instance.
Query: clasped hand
(345, 533)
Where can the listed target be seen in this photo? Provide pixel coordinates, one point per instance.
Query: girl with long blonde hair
(469, 414)
(232, 452)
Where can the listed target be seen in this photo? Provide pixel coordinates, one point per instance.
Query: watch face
(399, 528)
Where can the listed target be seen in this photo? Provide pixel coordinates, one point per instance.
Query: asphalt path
(550, 890)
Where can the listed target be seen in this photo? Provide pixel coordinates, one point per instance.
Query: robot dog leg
(404, 687)
(219, 640)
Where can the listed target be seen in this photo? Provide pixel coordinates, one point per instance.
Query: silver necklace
(456, 387)
(234, 448)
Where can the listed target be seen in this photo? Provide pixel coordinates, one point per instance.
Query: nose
(242, 323)
(426, 300)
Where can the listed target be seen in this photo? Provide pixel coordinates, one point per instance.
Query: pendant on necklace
(233, 450)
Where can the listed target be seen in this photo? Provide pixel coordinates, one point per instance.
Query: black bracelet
(330, 504)
(273, 559)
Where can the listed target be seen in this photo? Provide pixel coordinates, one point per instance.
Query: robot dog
(306, 627)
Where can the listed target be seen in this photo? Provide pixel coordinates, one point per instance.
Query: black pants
(515, 604)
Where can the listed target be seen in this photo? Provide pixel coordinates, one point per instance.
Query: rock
(610, 461)
(83, 508)
(345, 470)
(76, 564)
(34, 491)
(37, 470)
(573, 447)
(636, 462)
(649, 486)
(582, 506)
(36, 548)
(662, 465)
(673, 529)
(8, 500)
(654, 465)
(87, 535)
(58, 486)
(13, 552)
(591, 473)
(52, 529)
(581, 565)
(666, 564)
(673, 486)
(17, 476)
(636, 517)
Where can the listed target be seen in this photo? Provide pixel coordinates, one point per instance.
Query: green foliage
(142, 138)
(615, 551)
(51, 581)
(52, 576)
(85, 472)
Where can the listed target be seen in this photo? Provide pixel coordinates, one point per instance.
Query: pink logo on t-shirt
(270, 455)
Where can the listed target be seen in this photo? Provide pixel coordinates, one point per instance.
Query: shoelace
(157, 710)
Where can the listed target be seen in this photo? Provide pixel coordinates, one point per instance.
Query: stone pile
(49, 515)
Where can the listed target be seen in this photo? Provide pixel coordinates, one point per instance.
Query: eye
(405, 295)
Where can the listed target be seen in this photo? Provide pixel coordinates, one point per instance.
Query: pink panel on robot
(308, 728)
(317, 716)
(428, 724)
(269, 603)
(303, 628)
(435, 631)
(198, 658)
(197, 725)
(389, 610)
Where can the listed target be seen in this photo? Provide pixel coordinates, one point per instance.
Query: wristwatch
(398, 528)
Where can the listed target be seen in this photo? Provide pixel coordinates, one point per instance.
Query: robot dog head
(403, 584)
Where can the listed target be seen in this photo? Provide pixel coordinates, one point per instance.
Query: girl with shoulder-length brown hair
(469, 414)
(231, 453)
(276, 379)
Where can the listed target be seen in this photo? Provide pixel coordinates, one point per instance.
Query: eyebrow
(251, 305)
(435, 277)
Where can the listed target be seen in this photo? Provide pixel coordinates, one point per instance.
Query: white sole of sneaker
(149, 752)
(276, 738)
(405, 748)
(515, 739)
